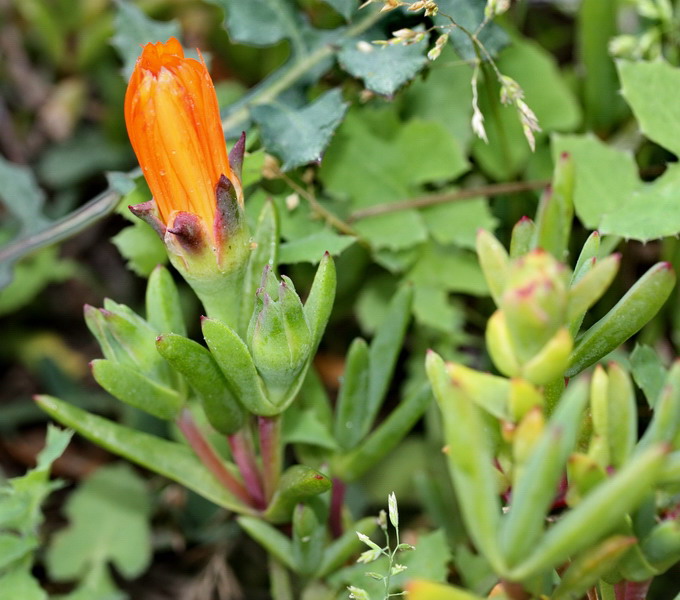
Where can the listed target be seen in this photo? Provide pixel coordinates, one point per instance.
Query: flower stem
(241, 445)
(206, 453)
(335, 512)
(271, 451)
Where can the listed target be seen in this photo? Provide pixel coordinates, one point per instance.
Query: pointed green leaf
(384, 439)
(470, 460)
(199, 368)
(596, 514)
(534, 492)
(630, 314)
(320, 300)
(298, 483)
(163, 307)
(171, 459)
(270, 538)
(133, 388)
(351, 405)
(232, 356)
(266, 240)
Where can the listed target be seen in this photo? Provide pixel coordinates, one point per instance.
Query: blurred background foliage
(367, 151)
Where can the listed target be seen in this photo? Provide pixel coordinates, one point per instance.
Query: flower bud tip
(565, 155)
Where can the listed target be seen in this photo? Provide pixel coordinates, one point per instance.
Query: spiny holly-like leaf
(299, 135)
(383, 69)
(108, 522)
(133, 29)
(260, 22)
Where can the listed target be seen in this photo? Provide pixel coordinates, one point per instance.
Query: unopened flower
(173, 121)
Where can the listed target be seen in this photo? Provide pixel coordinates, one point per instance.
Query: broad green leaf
(116, 499)
(383, 69)
(470, 14)
(313, 247)
(134, 28)
(458, 222)
(141, 247)
(21, 195)
(605, 178)
(171, 459)
(445, 97)
(31, 275)
(299, 135)
(85, 154)
(345, 7)
(18, 582)
(650, 212)
(400, 157)
(394, 231)
(433, 307)
(449, 269)
(650, 88)
(14, 547)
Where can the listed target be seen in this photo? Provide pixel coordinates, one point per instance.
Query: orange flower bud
(173, 121)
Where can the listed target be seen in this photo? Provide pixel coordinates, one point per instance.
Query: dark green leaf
(22, 197)
(133, 29)
(383, 69)
(299, 136)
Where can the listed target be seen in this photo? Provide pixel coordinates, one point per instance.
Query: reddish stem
(335, 513)
(271, 451)
(632, 590)
(244, 455)
(206, 453)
